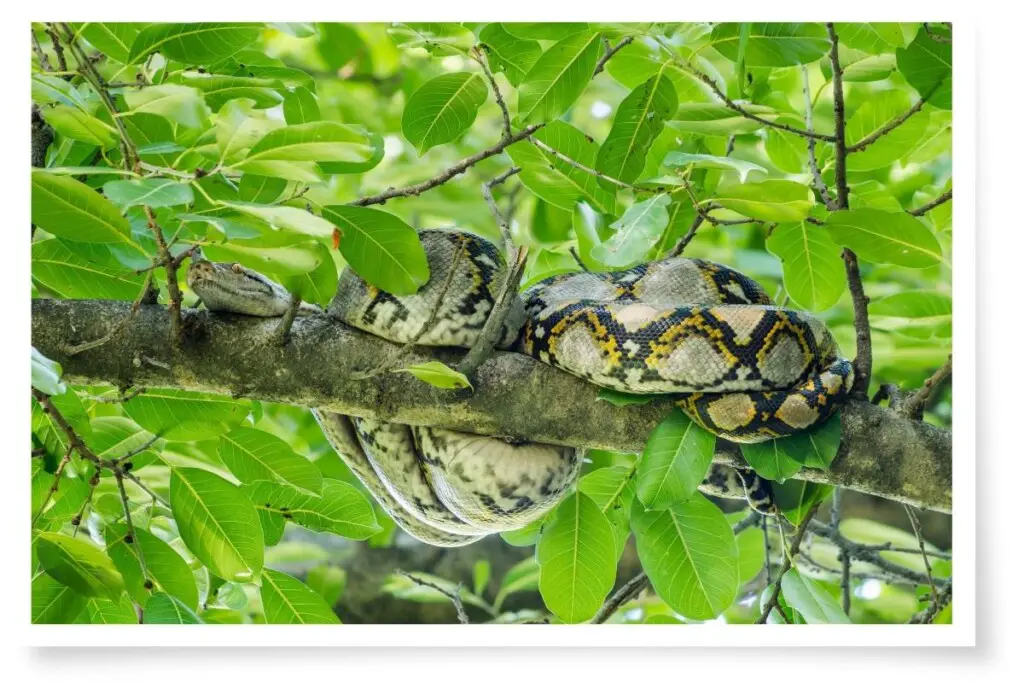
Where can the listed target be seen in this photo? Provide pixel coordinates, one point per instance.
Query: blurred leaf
(436, 38)
(635, 233)
(718, 119)
(682, 160)
(918, 314)
(46, 374)
(218, 90)
(286, 600)
(796, 497)
(770, 200)
(74, 123)
(544, 30)
(481, 575)
(176, 103)
(301, 106)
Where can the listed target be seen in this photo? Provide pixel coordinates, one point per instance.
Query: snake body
(746, 370)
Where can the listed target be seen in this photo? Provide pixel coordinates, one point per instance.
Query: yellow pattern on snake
(747, 371)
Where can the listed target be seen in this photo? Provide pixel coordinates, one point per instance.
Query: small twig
(76, 521)
(688, 237)
(627, 592)
(862, 363)
(579, 261)
(917, 401)
(173, 291)
(941, 199)
(62, 62)
(794, 551)
(131, 539)
(609, 52)
(456, 599)
(449, 173)
(753, 518)
(477, 55)
(839, 113)
(284, 328)
(135, 451)
(515, 263)
(148, 491)
(767, 550)
(812, 160)
(575, 164)
(928, 615)
(37, 47)
(915, 524)
(844, 555)
(871, 554)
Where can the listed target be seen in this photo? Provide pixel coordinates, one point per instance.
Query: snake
(701, 332)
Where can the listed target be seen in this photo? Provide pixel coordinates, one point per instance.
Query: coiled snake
(748, 371)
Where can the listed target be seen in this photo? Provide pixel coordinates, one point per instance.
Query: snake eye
(237, 267)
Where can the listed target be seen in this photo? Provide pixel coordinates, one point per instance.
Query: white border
(962, 632)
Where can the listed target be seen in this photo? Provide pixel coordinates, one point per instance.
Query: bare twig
(144, 293)
(794, 551)
(44, 61)
(812, 159)
(135, 451)
(449, 173)
(871, 554)
(928, 615)
(173, 290)
(515, 262)
(862, 144)
(575, 164)
(284, 328)
(915, 524)
(76, 521)
(62, 63)
(481, 59)
(862, 363)
(941, 199)
(579, 260)
(627, 592)
(456, 599)
(916, 402)
(844, 555)
(688, 237)
(132, 539)
(609, 52)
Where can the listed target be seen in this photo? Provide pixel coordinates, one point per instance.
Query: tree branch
(609, 52)
(941, 199)
(882, 453)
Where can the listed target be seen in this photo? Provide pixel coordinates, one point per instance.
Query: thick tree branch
(882, 453)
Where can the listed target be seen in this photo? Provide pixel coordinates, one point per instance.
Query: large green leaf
(79, 565)
(555, 180)
(689, 553)
(67, 208)
(381, 247)
(873, 38)
(164, 566)
(53, 602)
(339, 509)
(285, 218)
(437, 374)
(812, 269)
(674, 463)
(286, 600)
(74, 123)
(927, 64)
(718, 119)
(306, 142)
(113, 39)
(639, 229)
(919, 314)
(186, 416)
(217, 523)
(815, 604)
(301, 106)
(114, 436)
(613, 489)
(639, 119)
(194, 43)
(239, 127)
(577, 558)
(167, 609)
(777, 459)
(509, 54)
(772, 44)
(771, 200)
(152, 192)
(885, 237)
(176, 103)
(819, 445)
(558, 78)
(254, 455)
(442, 109)
(795, 497)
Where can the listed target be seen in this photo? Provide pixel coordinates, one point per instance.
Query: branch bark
(882, 453)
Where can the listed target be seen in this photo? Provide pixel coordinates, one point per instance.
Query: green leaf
(194, 43)
(286, 600)
(49, 433)
(509, 54)
(639, 229)
(577, 558)
(74, 123)
(376, 142)
(53, 602)
(918, 314)
(879, 111)
(258, 189)
(786, 151)
(812, 269)
(164, 566)
(47, 89)
(619, 399)
(167, 609)
(874, 38)
(114, 39)
(153, 192)
(111, 612)
(301, 106)
(815, 604)
(718, 119)
(217, 523)
(772, 44)
(381, 247)
(690, 554)
(442, 109)
(639, 119)
(481, 576)
(218, 90)
(675, 461)
(289, 218)
(525, 537)
(682, 160)
(885, 237)
(823, 443)
(46, 374)
(61, 268)
(523, 576)
(613, 489)
(79, 565)
(553, 30)
(559, 77)
(339, 509)
(555, 180)
(861, 67)
(771, 200)
(796, 497)
(328, 581)
(436, 373)
(436, 38)
(176, 103)
(927, 64)
(316, 141)
(777, 459)
(750, 544)
(239, 127)
(254, 455)
(306, 269)
(186, 416)
(67, 208)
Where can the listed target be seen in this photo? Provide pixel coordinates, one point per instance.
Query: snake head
(232, 288)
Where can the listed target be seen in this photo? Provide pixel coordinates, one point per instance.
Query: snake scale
(744, 369)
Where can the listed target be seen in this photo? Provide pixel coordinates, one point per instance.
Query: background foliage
(276, 146)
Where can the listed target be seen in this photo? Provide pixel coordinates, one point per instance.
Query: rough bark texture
(882, 453)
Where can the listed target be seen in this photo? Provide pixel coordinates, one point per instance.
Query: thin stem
(914, 405)
(477, 55)
(575, 164)
(794, 551)
(915, 524)
(812, 160)
(609, 52)
(131, 539)
(174, 292)
(456, 599)
(629, 591)
(688, 237)
(941, 199)
(862, 144)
